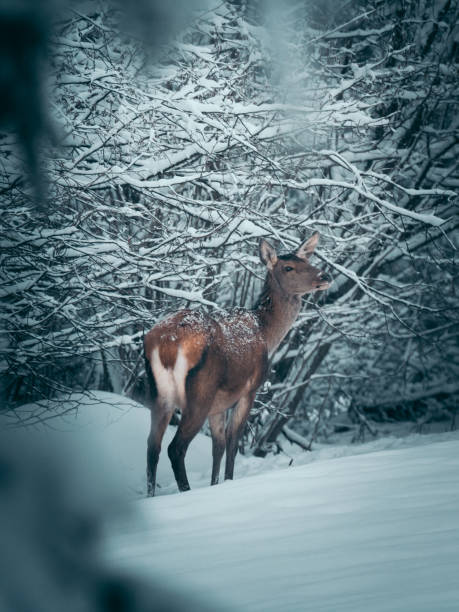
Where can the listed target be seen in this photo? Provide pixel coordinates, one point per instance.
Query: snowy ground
(373, 527)
(375, 532)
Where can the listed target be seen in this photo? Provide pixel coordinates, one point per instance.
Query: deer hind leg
(190, 424)
(160, 417)
(164, 393)
(217, 428)
(235, 429)
(201, 387)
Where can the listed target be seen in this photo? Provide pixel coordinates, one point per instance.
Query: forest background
(162, 174)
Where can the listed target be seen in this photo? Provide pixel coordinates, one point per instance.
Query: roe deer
(205, 364)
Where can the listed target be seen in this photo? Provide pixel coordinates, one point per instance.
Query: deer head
(293, 272)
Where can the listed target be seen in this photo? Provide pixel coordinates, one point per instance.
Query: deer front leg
(235, 429)
(217, 429)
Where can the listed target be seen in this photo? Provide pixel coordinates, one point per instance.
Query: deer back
(228, 350)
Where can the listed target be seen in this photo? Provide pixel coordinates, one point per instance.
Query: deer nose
(325, 277)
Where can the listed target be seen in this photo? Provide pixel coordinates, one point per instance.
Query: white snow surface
(370, 527)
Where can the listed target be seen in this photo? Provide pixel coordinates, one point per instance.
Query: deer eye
(288, 268)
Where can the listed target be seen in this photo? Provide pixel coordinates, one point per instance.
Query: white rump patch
(170, 382)
(179, 373)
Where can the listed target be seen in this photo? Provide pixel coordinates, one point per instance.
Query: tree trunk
(274, 427)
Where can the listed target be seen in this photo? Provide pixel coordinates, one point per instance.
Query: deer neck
(276, 312)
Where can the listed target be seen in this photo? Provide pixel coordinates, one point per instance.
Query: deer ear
(308, 247)
(267, 254)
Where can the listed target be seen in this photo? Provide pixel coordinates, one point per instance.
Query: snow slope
(371, 527)
(375, 532)
(119, 426)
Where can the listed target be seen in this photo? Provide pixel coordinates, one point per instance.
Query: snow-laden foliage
(250, 125)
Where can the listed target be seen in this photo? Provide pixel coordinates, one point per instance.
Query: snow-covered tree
(254, 123)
